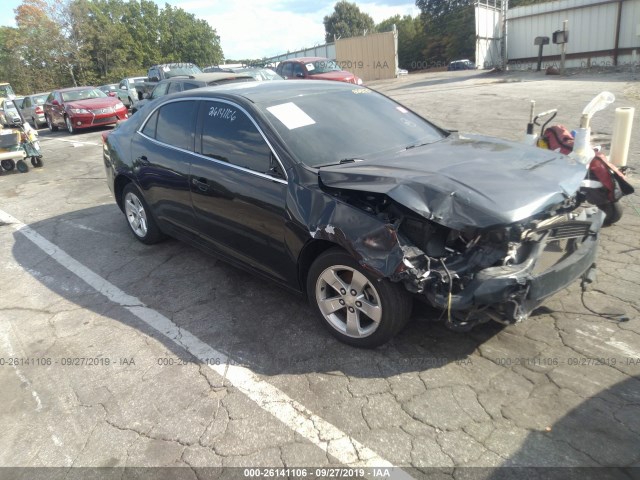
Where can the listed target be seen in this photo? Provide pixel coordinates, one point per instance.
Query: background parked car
(82, 107)
(129, 85)
(6, 91)
(462, 65)
(32, 109)
(314, 68)
(17, 101)
(9, 113)
(164, 71)
(113, 91)
(260, 74)
(188, 82)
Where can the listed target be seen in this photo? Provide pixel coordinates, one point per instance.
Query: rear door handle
(201, 183)
(143, 160)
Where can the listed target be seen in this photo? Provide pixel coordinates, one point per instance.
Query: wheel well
(118, 186)
(309, 253)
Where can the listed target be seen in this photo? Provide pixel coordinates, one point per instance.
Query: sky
(263, 28)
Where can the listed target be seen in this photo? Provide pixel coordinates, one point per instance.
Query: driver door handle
(201, 183)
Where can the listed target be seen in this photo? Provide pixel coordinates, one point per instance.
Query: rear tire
(139, 216)
(8, 165)
(357, 308)
(36, 162)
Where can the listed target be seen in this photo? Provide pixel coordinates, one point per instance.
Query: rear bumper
(527, 284)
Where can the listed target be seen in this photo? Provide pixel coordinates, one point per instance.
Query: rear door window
(174, 87)
(175, 125)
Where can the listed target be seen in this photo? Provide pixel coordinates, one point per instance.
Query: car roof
(72, 89)
(275, 90)
(207, 78)
(306, 59)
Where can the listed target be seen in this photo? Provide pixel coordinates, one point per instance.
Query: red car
(314, 68)
(82, 107)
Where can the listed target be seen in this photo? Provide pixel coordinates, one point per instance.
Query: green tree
(411, 39)
(347, 21)
(36, 44)
(449, 29)
(183, 38)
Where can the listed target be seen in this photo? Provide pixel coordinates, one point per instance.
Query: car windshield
(74, 95)
(181, 70)
(9, 105)
(322, 66)
(6, 91)
(347, 125)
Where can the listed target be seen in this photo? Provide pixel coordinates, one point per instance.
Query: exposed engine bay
(474, 275)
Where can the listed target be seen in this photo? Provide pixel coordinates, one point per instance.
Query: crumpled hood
(466, 181)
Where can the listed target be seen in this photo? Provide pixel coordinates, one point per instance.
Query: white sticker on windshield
(402, 109)
(310, 67)
(291, 115)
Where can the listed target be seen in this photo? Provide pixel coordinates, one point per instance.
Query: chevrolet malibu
(361, 212)
(82, 107)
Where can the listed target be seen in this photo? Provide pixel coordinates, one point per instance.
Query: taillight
(39, 109)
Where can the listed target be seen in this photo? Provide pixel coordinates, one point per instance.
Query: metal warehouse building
(601, 33)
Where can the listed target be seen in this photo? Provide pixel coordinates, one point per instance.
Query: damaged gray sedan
(344, 195)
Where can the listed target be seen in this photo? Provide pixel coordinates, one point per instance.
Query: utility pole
(563, 49)
(503, 46)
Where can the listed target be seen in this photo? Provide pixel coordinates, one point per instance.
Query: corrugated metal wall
(592, 31)
(327, 50)
(488, 33)
(372, 57)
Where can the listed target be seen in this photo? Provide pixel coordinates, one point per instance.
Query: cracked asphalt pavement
(117, 354)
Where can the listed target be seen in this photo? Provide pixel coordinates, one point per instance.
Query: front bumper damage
(558, 256)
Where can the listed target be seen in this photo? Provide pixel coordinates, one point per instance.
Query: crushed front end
(499, 274)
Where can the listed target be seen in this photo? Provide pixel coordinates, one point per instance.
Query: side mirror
(112, 94)
(123, 87)
(55, 102)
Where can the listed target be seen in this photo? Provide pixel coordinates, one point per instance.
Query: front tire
(357, 308)
(69, 124)
(613, 212)
(22, 166)
(52, 127)
(139, 217)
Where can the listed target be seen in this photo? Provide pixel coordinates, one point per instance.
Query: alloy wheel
(348, 301)
(136, 214)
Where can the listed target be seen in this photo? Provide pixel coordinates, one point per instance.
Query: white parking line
(8, 348)
(70, 141)
(294, 415)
